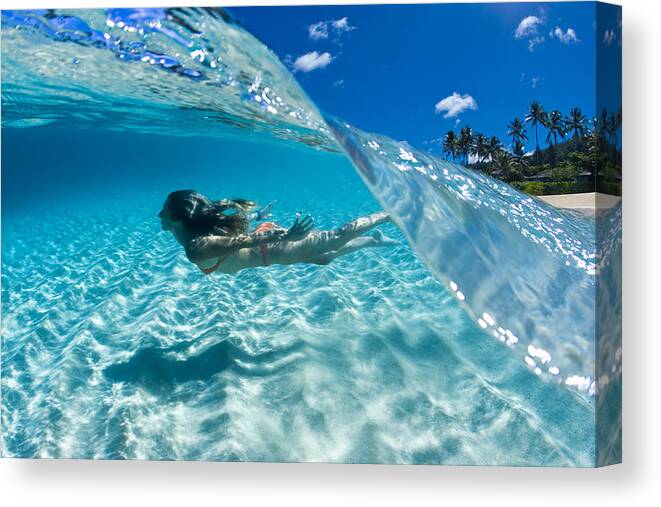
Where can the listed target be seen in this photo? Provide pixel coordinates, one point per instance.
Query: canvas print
(346, 234)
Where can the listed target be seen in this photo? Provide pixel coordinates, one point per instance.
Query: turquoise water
(471, 342)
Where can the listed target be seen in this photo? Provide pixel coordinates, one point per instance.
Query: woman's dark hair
(200, 215)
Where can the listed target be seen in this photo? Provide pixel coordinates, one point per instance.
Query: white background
(636, 482)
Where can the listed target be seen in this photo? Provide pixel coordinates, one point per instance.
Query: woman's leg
(319, 243)
(361, 225)
(376, 239)
(325, 241)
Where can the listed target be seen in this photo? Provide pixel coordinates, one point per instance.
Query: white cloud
(528, 27)
(321, 30)
(535, 81)
(342, 25)
(534, 42)
(472, 159)
(455, 104)
(609, 37)
(318, 30)
(338, 84)
(312, 61)
(566, 37)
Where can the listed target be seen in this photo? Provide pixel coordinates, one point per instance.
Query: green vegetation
(577, 158)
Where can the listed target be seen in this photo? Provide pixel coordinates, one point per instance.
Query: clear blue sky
(384, 68)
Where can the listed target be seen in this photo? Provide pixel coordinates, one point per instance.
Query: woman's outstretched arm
(261, 214)
(209, 247)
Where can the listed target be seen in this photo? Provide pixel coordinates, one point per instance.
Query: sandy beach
(590, 202)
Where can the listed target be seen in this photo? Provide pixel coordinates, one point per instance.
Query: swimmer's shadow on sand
(155, 368)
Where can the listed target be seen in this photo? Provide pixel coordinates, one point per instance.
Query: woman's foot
(383, 240)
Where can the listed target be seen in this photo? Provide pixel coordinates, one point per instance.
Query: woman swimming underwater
(216, 237)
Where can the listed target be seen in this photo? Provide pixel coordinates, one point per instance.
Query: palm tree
(595, 145)
(464, 142)
(517, 131)
(576, 123)
(493, 147)
(556, 126)
(536, 116)
(618, 118)
(501, 162)
(450, 144)
(480, 146)
(603, 123)
(613, 126)
(518, 162)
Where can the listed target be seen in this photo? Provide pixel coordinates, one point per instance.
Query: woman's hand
(264, 213)
(299, 230)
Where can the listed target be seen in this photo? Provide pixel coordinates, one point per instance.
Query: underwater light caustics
(524, 271)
